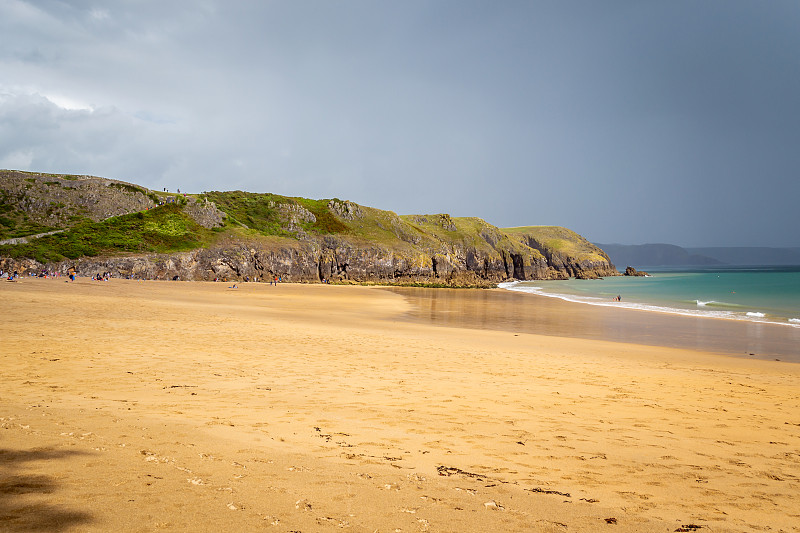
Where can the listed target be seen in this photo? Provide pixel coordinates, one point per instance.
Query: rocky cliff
(112, 226)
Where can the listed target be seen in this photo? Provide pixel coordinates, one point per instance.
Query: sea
(762, 294)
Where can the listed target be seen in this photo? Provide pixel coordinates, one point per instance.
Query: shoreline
(518, 311)
(653, 308)
(137, 406)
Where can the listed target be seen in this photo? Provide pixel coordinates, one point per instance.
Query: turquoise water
(768, 294)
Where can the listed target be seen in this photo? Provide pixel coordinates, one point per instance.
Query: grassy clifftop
(560, 240)
(162, 229)
(101, 217)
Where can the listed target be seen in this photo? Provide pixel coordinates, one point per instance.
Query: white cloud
(99, 14)
(65, 102)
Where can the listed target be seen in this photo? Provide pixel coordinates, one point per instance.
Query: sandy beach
(146, 406)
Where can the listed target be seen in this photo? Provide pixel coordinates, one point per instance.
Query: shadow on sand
(20, 494)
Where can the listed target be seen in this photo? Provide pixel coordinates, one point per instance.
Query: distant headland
(651, 255)
(88, 225)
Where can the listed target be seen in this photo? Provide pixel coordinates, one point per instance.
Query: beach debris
(547, 491)
(303, 504)
(611, 520)
(195, 481)
(493, 505)
(689, 527)
(232, 507)
(452, 470)
(330, 521)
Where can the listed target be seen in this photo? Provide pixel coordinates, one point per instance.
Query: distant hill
(650, 255)
(89, 225)
(641, 255)
(751, 255)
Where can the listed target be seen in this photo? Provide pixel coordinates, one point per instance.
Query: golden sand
(145, 406)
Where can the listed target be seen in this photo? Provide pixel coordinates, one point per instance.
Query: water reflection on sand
(497, 309)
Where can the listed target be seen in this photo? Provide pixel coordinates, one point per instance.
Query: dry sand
(142, 406)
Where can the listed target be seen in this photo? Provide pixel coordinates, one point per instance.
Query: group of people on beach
(13, 276)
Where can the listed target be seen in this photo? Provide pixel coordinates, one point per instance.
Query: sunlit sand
(139, 406)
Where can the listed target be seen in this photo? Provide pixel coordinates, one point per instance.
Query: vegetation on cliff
(256, 235)
(159, 230)
(559, 240)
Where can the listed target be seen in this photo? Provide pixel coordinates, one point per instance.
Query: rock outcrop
(630, 271)
(262, 236)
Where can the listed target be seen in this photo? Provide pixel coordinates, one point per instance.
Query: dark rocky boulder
(630, 271)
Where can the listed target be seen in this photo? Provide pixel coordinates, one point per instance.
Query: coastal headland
(90, 225)
(146, 405)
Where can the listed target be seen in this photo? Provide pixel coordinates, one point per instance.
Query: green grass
(260, 212)
(160, 230)
(327, 222)
(559, 239)
(15, 223)
(128, 188)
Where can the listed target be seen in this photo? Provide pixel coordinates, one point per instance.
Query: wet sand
(511, 311)
(146, 406)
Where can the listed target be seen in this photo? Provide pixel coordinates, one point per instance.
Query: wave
(751, 316)
(714, 303)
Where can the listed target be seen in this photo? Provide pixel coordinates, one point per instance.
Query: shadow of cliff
(20, 492)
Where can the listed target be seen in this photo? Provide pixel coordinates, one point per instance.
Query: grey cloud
(626, 121)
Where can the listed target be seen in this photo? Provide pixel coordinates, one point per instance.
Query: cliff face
(256, 237)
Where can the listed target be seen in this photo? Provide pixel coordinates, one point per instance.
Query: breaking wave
(701, 310)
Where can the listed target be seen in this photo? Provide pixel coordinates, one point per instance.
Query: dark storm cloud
(626, 121)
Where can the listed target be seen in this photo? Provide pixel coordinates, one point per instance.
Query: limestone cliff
(112, 226)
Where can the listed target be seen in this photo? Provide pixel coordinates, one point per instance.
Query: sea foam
(705, 307)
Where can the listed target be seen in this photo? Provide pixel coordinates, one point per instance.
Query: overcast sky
(626, 121)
